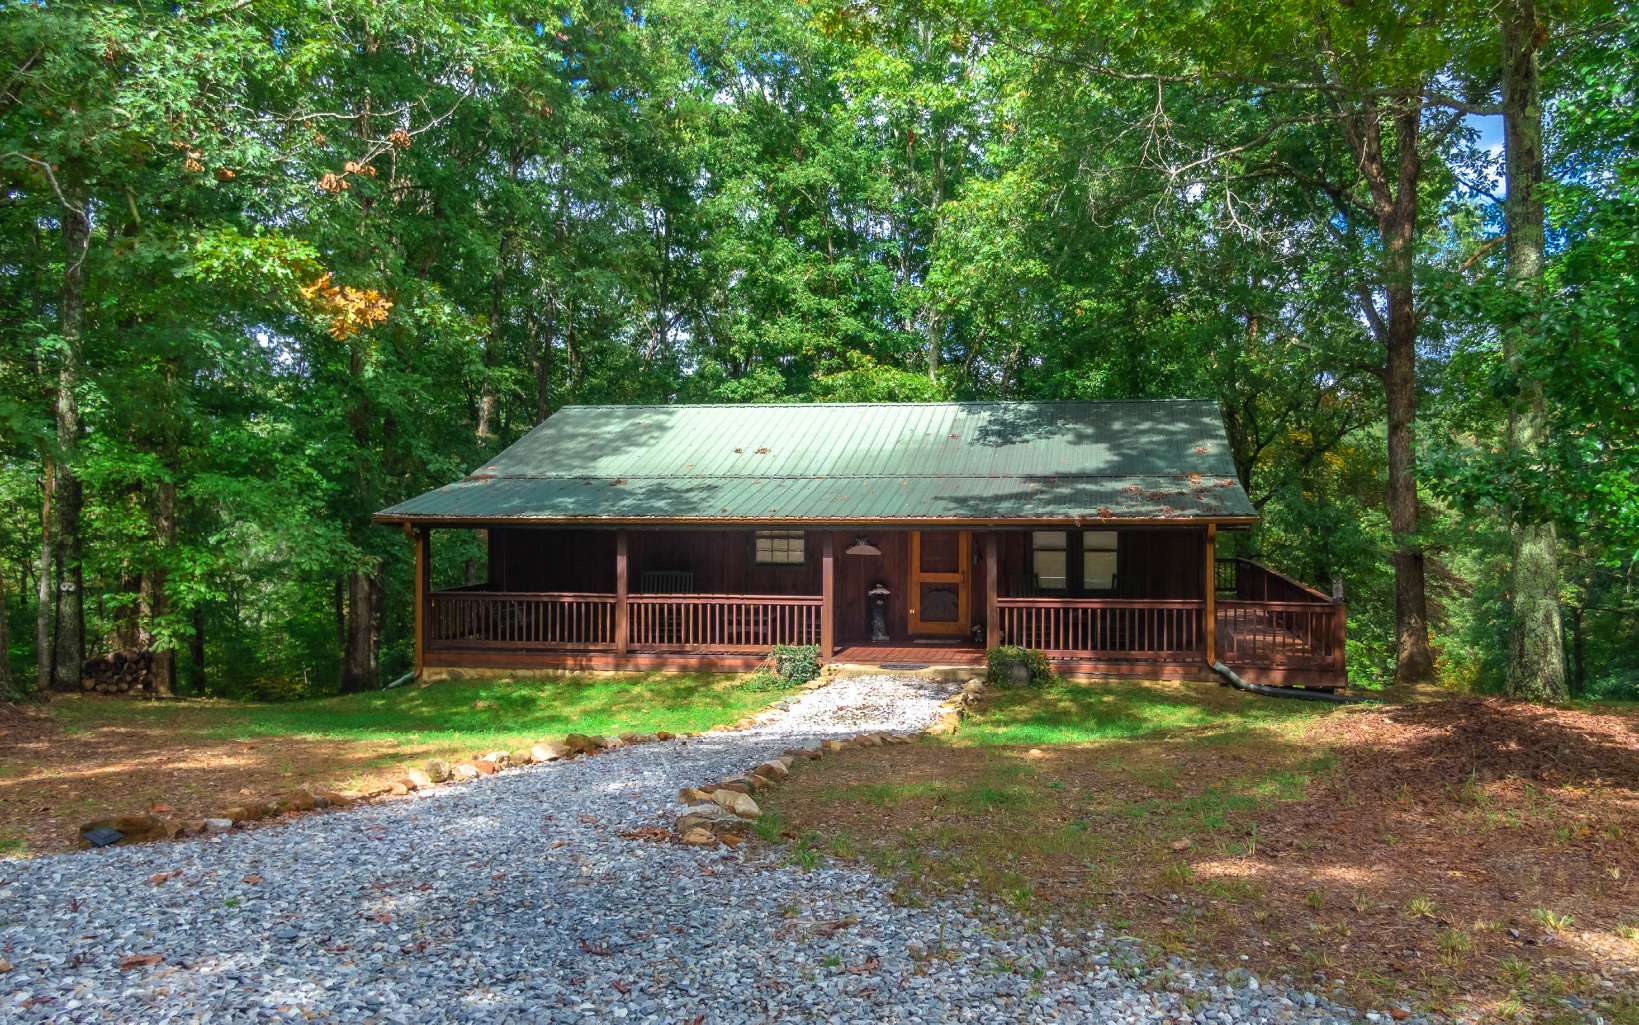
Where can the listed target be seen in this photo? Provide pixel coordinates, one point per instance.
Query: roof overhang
(991, 523)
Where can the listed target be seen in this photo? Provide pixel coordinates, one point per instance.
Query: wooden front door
(938, 592)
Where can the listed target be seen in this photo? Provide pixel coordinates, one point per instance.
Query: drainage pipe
(1285, 692)
(401, 681)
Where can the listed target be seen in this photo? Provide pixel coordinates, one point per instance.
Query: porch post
(1211, 579)
(621, 631)
(828, 596)
(993, 617)
(421, 538)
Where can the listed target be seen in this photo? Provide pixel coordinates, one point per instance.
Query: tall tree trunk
(1536, 648)
(487, 398)
(934, 336)
(45, 611)
(70, 640)
(159, 600)
(1413, 659)
(196, 650)
(1579, 661)
(363, 615)
(934, 329)
(338, 599)
(8, 686)
(1394, 204)
(543, 369)
(130, 633)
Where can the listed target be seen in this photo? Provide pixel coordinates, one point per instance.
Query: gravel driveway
(513, 899)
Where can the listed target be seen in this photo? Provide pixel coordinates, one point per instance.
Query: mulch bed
(1471, 856)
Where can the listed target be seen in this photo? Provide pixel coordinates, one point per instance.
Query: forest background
(268, 267)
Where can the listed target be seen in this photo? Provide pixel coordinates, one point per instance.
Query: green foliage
(1001, 660)
(763, 680)
(1077, 713)
(496, 713)
(342, 253)
(796, 664)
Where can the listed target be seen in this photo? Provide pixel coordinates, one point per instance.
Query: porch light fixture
(862, 546)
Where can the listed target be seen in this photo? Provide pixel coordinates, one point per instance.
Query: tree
(1536, 662)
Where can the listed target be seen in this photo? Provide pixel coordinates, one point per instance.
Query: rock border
(157, 823)
(720, 813)
(707, 819)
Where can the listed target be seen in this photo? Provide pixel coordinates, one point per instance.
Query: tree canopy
(270, 267)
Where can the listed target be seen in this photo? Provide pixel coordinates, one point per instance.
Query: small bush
(1004, 658)
(764, 679)
(796, 663)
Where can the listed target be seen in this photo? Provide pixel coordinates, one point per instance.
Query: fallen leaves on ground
(1421, 853)
(651, 834)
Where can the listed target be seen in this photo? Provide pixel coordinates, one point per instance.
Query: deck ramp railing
(1281, 634)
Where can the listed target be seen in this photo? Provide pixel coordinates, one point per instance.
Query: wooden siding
(1160, 563)
(529, 559)
(720, 561)
(697, 597)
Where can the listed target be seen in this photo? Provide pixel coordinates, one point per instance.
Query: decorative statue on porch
(878, 606)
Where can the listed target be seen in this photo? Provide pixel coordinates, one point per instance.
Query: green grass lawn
(471, 714)
(1070, 713)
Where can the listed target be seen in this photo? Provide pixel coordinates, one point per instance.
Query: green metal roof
(841, 462)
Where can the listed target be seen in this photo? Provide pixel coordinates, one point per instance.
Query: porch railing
(520, 619)
(1281, 634)
(575, 621)
(722, 622)
(1128, 629)
(1303, 634)
(1246, 580)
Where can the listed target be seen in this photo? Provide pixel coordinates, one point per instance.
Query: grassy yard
(87, 757)
(1460, 856)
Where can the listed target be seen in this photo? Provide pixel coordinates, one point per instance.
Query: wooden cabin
(698, 537)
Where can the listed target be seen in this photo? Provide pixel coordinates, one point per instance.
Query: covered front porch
(1149, 600)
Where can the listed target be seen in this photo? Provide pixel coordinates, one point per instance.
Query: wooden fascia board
(817, 524)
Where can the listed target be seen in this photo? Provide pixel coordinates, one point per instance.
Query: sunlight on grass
(466, 713)
(1070, 713)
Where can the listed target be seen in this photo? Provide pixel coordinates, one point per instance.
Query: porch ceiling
(958, 462)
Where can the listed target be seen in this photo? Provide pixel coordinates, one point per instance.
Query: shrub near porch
(83, 758)
(1462, 855)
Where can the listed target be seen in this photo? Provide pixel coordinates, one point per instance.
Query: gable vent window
(780, 548)
(1049, 559)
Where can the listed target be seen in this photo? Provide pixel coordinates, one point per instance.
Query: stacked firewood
(119, 672)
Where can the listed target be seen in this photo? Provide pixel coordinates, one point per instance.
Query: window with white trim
(1098, 560)
(1049, 559)
(780, 548)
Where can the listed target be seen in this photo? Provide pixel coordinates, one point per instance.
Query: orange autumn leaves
(349, 310)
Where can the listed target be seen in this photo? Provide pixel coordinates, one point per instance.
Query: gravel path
(513, 899)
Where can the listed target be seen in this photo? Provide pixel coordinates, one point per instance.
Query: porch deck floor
(911, 654)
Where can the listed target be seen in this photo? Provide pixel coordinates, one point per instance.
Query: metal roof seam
(944, 461)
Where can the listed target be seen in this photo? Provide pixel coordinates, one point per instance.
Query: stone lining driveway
(515, 898)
